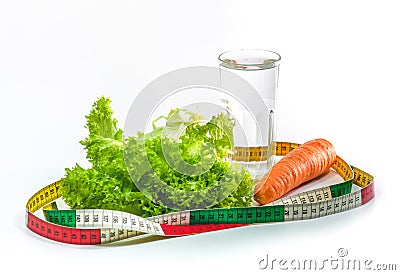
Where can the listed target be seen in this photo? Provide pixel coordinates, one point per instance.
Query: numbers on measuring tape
(95, 226)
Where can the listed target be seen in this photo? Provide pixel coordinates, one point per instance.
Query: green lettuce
(119, 165)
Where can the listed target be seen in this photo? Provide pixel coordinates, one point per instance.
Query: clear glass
(260, 68)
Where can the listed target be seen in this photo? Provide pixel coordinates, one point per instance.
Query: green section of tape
(341, 189)
(61, 217)
(249, 215)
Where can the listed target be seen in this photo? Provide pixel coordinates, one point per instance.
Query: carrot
(303, 164)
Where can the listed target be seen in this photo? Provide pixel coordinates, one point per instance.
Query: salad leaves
(152, 160)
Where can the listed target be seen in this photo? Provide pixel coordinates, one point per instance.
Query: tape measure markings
(98, 226)
(260, 153)
(180, 230)
(233, 215)
(323, 193)
(43, 196)
(76, 235)
(61, 233)
(107, 235)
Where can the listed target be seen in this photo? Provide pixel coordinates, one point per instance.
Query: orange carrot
(303, 164)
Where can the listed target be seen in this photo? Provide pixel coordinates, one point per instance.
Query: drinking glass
(260, 68)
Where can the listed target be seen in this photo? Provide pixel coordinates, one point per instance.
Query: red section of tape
(367, 193)
(178, 230)
(62, 233)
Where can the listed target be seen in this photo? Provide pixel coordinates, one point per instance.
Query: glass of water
(260, 68)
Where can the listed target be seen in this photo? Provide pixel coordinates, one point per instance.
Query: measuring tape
(101, 226)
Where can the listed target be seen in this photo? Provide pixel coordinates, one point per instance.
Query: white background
(339, 79)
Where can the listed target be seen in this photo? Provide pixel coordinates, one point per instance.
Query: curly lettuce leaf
(109, 185)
